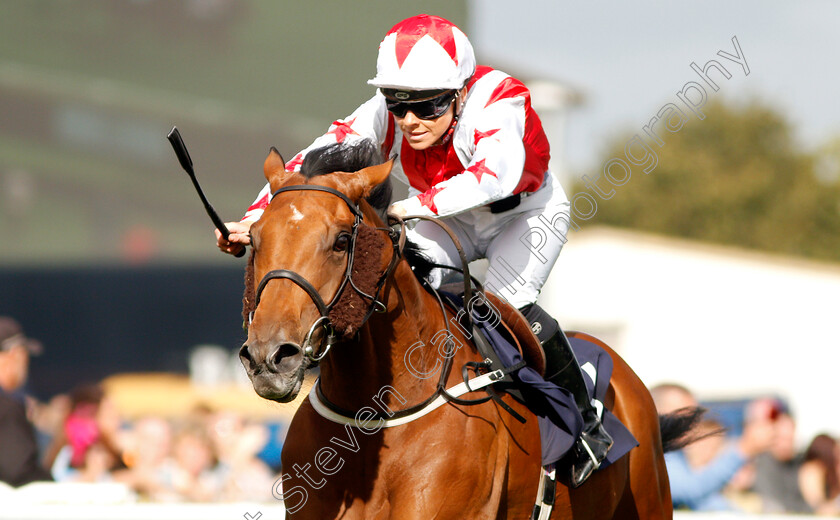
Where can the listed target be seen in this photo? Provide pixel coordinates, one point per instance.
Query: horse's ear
(373, 176)
(274, 169)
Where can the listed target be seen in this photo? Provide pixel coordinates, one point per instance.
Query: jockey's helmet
(424, 52)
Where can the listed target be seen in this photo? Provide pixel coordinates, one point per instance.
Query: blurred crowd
(754, 468)
(204, 457)
(208, 455)
(216, 455)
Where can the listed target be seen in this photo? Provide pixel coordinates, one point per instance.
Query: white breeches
(521, 244)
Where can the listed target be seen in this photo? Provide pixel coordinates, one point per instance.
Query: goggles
(431, 108)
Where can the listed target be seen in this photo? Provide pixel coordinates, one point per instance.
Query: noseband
(324, 309)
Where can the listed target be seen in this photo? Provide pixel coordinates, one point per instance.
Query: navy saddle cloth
(555, 408)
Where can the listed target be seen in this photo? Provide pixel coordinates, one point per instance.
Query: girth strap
(545, 493)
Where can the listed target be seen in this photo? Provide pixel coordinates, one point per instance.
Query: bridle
(441, 393)
(376, 305)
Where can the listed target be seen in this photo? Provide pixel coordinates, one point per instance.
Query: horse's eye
(341, 242)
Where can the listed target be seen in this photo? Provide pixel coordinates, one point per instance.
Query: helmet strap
(456, 113)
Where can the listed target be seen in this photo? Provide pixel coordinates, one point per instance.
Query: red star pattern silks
(515, 121)
(410, 31)
(341, 129)
(479, 135)
(427, 198)
(295, 163)
(479, 169)
(261, 203)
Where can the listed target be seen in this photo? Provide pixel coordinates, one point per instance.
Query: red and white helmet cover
(424, 52)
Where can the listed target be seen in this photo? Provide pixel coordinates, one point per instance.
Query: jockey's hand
(239, 237)
(397, 210)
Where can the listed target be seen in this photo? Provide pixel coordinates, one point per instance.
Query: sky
(630, 58)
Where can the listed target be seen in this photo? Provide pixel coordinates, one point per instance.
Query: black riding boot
(562, 369)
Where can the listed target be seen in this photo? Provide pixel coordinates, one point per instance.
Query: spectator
(700, 472)
(711, 441)
(148, 457)
(819, 481)
(48, 419)
(195, 476)
(777, 471)
(19, 460)
(99, 461)
(238, 442)
(92, 420)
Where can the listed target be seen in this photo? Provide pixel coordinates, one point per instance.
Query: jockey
(474, 153)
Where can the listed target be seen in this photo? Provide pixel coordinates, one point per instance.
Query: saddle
(520, 333)
(511, 324)
(550, 403)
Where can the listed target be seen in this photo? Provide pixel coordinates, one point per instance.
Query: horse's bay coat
(459, 462)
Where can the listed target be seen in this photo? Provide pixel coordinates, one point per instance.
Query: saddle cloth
(557, 414)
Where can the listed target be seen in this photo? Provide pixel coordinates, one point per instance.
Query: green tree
(736, 177)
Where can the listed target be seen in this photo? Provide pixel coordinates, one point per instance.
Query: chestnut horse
(457, 461)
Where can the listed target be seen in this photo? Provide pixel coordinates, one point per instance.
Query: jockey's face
(424, 133)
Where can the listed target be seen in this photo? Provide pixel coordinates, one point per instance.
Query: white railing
(684, 515)
(223, 511)
(236, 511)
(111, 501)
(69, 501)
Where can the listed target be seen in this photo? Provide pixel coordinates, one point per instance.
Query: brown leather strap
(461, 254)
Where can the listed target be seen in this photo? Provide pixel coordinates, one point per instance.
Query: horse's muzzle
(278, 375)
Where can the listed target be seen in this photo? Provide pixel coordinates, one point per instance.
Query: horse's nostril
(284, 352)
(245, 356)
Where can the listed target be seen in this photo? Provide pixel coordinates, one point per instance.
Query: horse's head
(313, 229)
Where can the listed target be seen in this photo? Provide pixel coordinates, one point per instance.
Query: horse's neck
(376, 363)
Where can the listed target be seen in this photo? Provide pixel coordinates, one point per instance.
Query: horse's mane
(339, 157)
(342, 157)
(421, 265)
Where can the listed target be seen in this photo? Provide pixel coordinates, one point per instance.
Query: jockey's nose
(410, 119)
(283, 357)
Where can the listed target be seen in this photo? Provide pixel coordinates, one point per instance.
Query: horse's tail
(676, 427)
